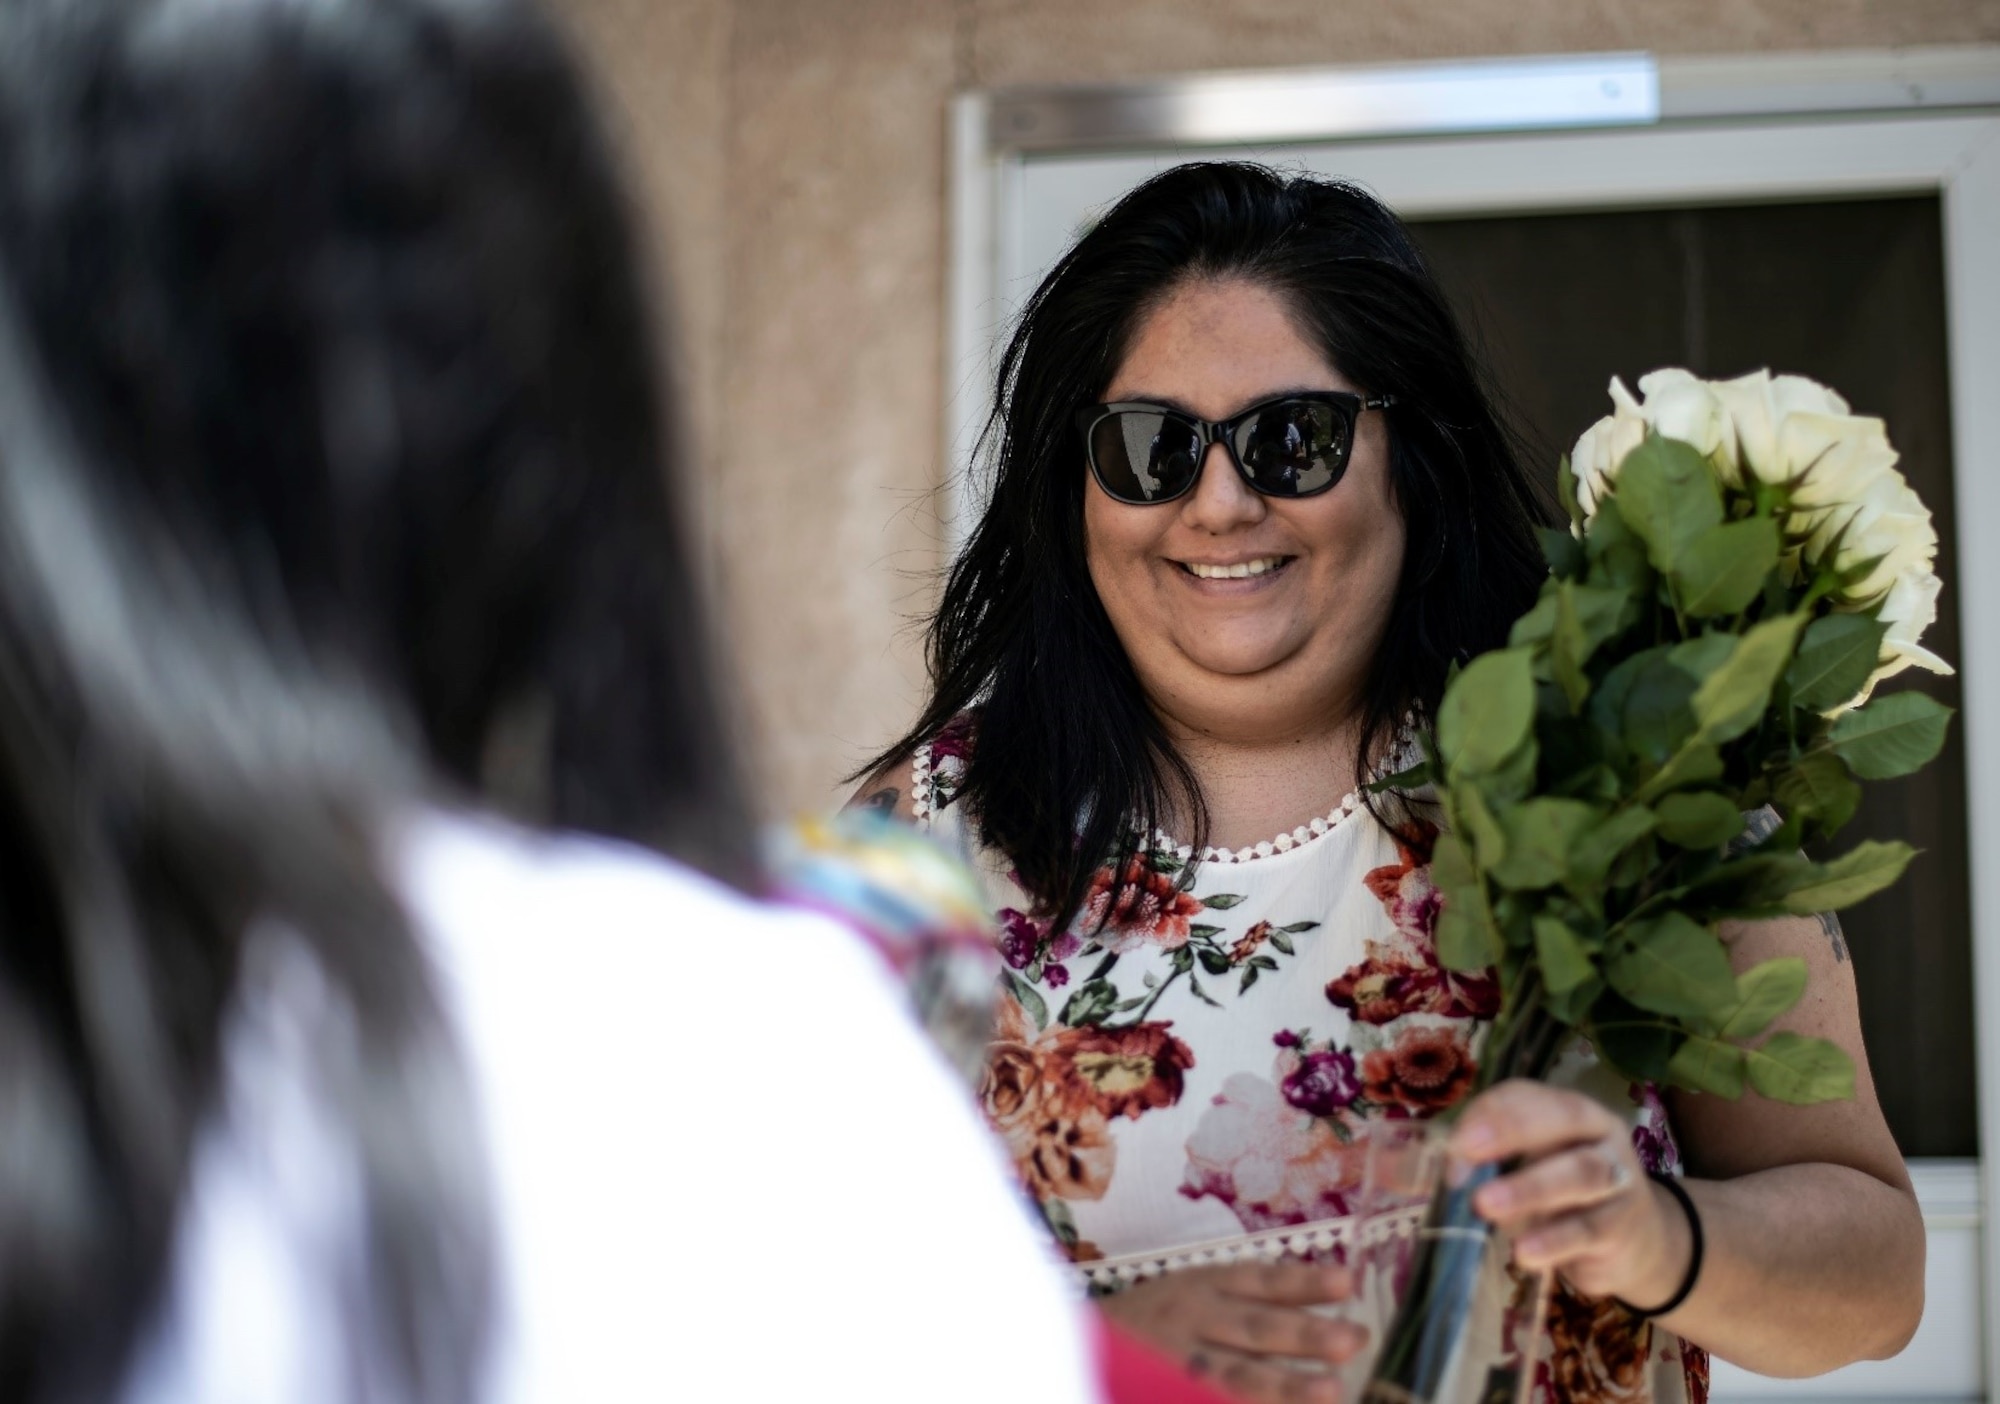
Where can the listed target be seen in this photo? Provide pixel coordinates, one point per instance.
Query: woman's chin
(1228, 661)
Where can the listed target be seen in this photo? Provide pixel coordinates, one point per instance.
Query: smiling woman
(1250, 505)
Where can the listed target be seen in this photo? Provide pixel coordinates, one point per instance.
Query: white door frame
(1682, 131)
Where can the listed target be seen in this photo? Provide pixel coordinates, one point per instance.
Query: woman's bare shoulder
(890, 791)
(935, 768)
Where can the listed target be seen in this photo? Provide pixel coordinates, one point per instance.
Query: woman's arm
(1815, 1241)
(1814, 1244)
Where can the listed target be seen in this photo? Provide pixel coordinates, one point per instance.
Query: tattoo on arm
(1760, 824)
(881, 802)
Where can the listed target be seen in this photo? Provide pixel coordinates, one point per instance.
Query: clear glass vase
(1463, 1326)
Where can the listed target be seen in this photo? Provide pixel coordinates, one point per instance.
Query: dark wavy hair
(1070, 761)
(334, 458)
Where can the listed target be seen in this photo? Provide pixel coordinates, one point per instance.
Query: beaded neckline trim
(1399, 756)
(1312, 1241)
(1283, 843)
(920, 785)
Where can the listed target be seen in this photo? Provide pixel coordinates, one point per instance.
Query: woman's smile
(1239, 576)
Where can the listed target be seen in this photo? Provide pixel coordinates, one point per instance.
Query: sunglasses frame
(1223, 431)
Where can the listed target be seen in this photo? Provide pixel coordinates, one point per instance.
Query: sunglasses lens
(1295, 447)
(1143, 455)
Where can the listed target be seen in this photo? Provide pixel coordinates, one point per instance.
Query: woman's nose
(1221, 500)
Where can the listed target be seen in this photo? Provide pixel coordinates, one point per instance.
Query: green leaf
(1565, 962)
(1296, 928)
(1467, 937)
(1764, 991)
(1194, 986)
(1723, 570)
(1030, 998)
(1696, 763)
(1199, 929)
(1534, 626)
(1700, 656)
(1514, 780)
(1566, 490)
(1754, 885)
(1585, 618)
(1602, 613)
(1563, 552)
(1698, 820)
(1091, 1003)
(1674, 965)
(1736, 695)
(1408, 778)
(1489, 841)
(1598, 783)
(1249, 979)
(1705, 1064)
(1617, 555)
(1213, 961)
(1892, 735)
(1223, 901)
(1818, 786)
(1836, 655)
(1572, 1007)
(1669, 498)
(1541, 833)
(1599, 848)
(1791, 1068)
(1487, 711)
(1632, 1041)
(1859, 873)
(1568, 649)
(1282, 942)
(1614, 689)
(1658, 717)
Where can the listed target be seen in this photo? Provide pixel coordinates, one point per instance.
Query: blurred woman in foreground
(333, 493)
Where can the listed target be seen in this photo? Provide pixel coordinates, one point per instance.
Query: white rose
(1680, 405)
(1834, 459)
(1758, 405)
(1909, 608)
(1889, 525)
(1603, 446)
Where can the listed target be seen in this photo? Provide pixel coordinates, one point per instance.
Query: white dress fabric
(1217, 1060)
(694, 1109)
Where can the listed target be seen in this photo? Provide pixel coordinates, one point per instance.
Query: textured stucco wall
(796, 150)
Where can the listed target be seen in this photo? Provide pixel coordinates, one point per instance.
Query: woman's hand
(1247, 1327)
(1579, 1203)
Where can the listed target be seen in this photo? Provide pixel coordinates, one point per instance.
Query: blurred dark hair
(1069, 761)
(331, 433)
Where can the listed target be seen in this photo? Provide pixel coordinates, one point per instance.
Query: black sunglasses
(1292, 446)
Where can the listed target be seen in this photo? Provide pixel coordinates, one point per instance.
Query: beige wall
(794, 151)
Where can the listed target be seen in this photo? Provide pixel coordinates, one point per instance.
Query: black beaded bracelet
(1673, 1186)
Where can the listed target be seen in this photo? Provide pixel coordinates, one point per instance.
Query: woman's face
(1283, 651)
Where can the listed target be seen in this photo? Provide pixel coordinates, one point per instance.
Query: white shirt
(725, 1163)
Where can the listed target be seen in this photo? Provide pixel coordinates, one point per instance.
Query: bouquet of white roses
(1744, 565)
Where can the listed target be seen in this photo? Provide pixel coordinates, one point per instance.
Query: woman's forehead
(1211, 346)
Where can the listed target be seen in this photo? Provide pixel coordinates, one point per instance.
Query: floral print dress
(1211, 1055)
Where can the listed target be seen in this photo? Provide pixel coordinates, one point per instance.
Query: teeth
(1239, 571)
